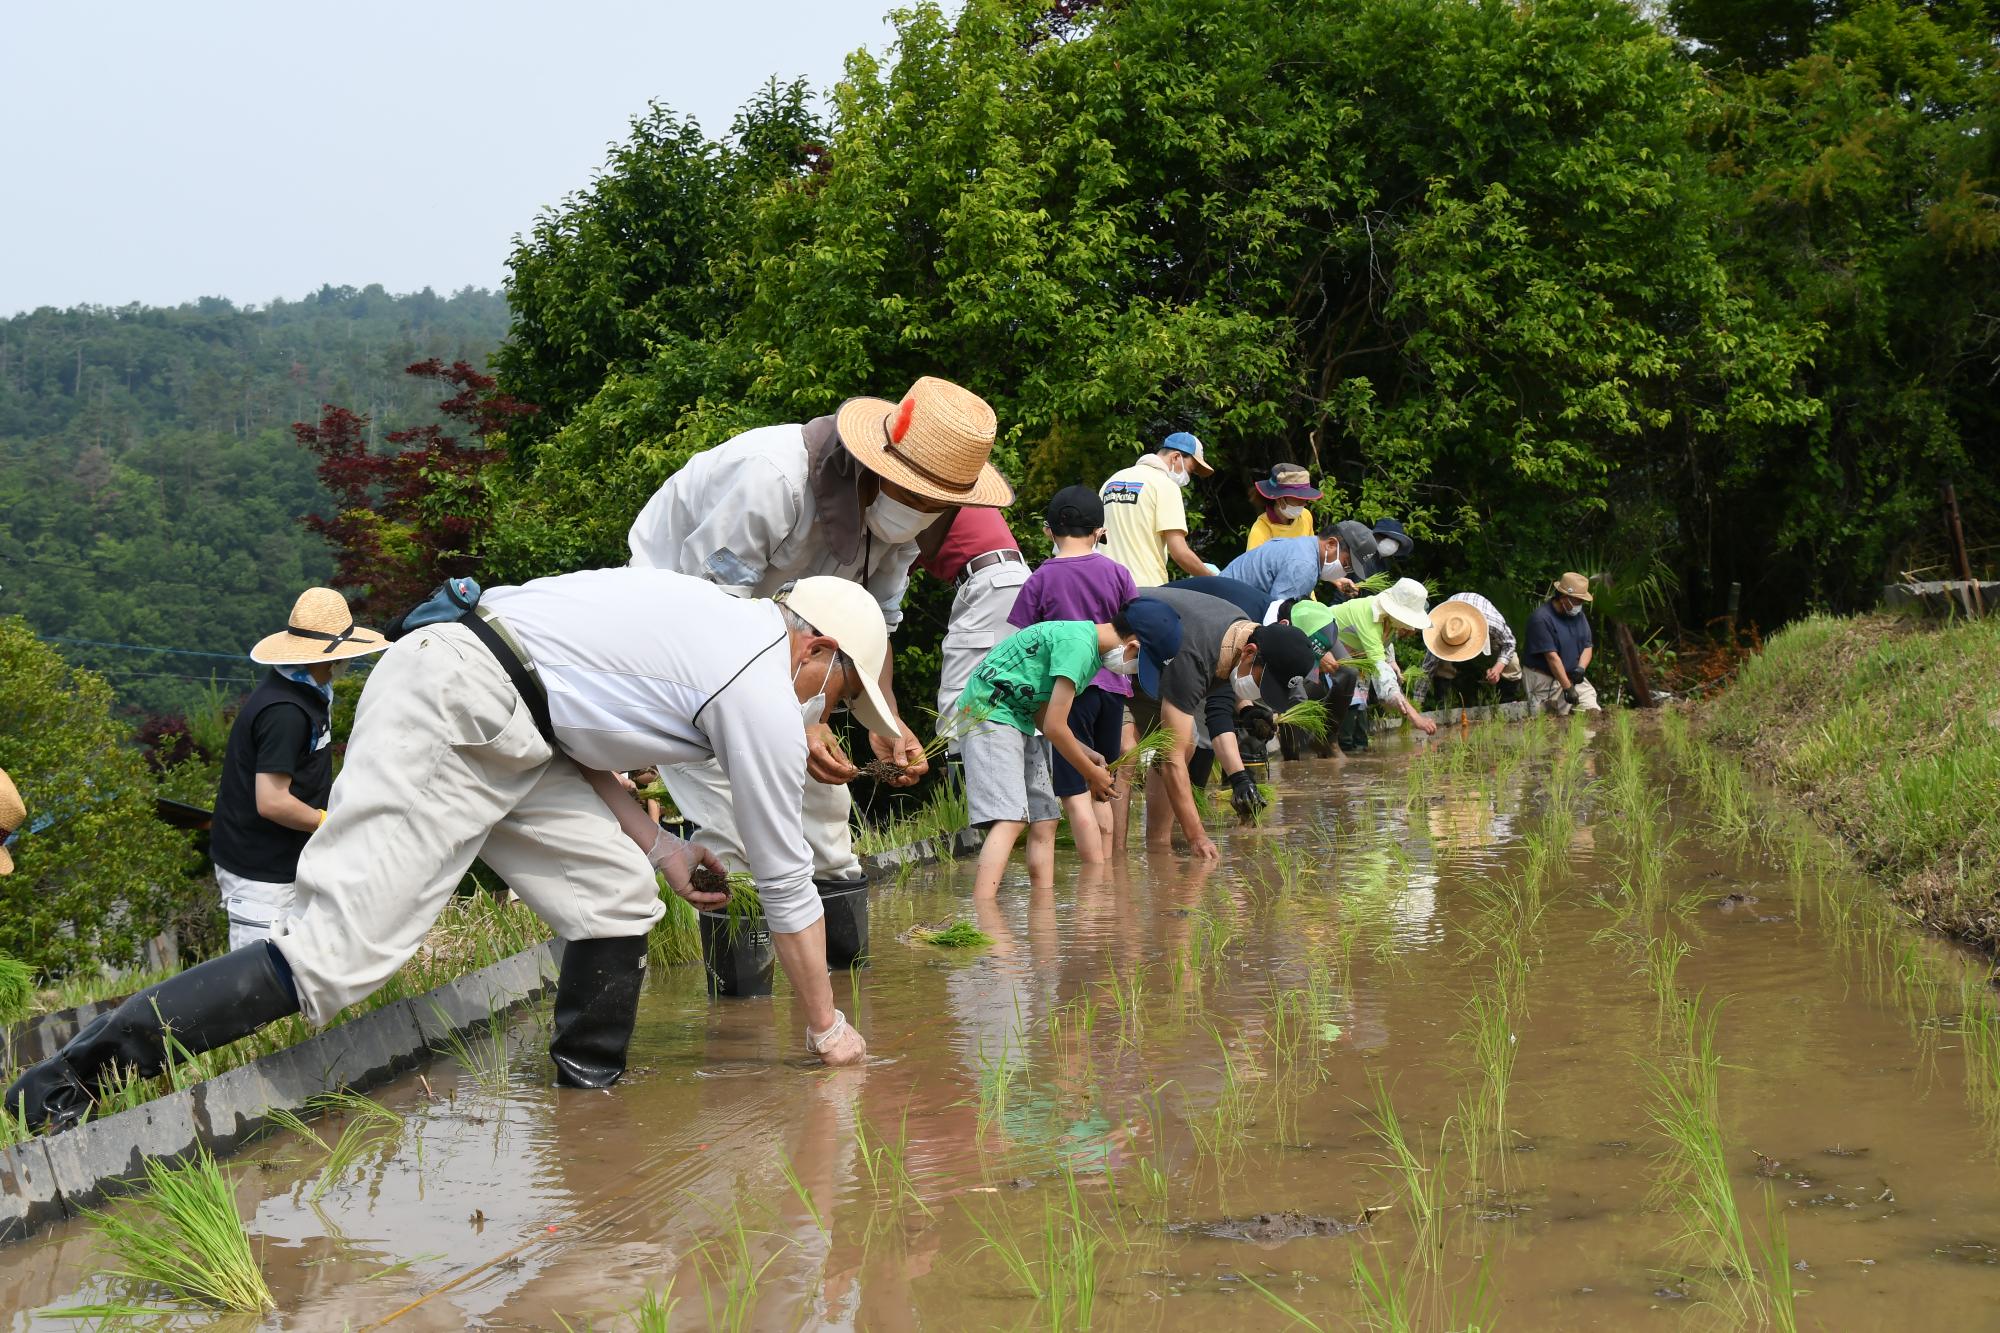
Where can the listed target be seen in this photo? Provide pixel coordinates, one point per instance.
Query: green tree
(96, 875)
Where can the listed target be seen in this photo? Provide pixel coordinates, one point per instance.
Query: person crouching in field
(1031, 679)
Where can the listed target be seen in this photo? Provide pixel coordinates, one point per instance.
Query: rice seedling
(800, 1192)
(479, 1050)
(730, 1274)
(369, 1126)
(1663, 955)
(957, 935)
(888, 1174)
(1128, 997)
(1489, 1034)
(655, 1311)
(17, 989)
(1155, 745)
(1220, 1131)
(1693, 1178)
(1063, 1275)
(1420, 1186)
(1780, 1292)
(183, 1234)
(997, 1076)
(943, 813)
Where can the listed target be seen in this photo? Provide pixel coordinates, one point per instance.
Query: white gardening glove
(839, 1044)
(677, 859)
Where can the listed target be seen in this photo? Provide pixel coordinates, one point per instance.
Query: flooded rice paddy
(1528, 1027)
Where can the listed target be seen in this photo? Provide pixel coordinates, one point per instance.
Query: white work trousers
(444, 765)
(1546, 692)
(254, 906)
(978, 621)
(701, 794)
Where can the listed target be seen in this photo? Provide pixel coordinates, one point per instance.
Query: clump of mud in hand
(883, 770)
(707, 879)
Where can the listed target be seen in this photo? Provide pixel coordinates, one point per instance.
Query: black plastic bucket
(737, 954)
(846, 904)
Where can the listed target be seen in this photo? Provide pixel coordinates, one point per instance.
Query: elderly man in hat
(498, 735)
(1145, 519)
(842, 496)
(1284, 497)
(1557, 648)
(278, 768)
(13, 814)
(1465, 629)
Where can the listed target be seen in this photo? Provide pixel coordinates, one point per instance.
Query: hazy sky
(160, 152)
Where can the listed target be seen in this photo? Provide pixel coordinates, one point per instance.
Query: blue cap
(1181, 442)
(1158, 629)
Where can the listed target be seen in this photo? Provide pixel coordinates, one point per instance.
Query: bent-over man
(498, 736)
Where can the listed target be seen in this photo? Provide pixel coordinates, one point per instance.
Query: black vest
(242, 841)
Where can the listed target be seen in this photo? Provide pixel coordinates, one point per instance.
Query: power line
(142, 648)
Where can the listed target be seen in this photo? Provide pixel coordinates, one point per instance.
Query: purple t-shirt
(1090, 587)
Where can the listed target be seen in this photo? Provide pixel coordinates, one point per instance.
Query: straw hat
(935, 443)
(13, 814)
(1457, 632)
(1574, 585)
(322, 629)
(1404, 604)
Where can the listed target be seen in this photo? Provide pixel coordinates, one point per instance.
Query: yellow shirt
(1263, 529)
(1140, 504)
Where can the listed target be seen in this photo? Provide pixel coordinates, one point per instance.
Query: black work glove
(1569, 694)
(1257, 721)
(1244, 798)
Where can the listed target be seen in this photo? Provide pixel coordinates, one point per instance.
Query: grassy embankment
(1887, 729)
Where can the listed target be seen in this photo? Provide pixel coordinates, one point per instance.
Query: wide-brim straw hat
(1574, 585)
(13, 814)
(1457, 632)
(321, 629)
(935, 443)
(1404, 604)
(1288, 481)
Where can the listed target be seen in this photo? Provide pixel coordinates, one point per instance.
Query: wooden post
(1735, 600)
(1975, 601)
(1628, 657)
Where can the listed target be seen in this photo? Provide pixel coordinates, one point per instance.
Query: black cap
(1285, 652)
(1075, 512)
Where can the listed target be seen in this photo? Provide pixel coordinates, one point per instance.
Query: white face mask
(1333, 571)
(1119, 662)
(893, 521)
(1387, 546)
(813, 710)
(338, 670)
(1573, 609)
(1181, 476)
(1245, 687)
(1289, 513)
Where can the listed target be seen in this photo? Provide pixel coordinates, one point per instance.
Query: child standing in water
(1031, 680)
(1079, 582)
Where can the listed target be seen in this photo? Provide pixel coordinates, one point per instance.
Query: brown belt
(979, 562)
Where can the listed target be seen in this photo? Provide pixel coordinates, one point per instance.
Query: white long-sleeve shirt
(741, 516)
(646, 667)
(1499, 638)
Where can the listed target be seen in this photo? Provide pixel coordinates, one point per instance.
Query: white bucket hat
(848, 614)
(1404, 604)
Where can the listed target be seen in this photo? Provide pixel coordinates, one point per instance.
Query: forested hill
(150, 487)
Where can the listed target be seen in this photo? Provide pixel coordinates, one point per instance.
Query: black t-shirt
(284, 728)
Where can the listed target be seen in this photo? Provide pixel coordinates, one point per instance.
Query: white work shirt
(741, 516)
(646, 667)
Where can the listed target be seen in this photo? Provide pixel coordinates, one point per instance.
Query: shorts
(1096, 719)
(1007, 776)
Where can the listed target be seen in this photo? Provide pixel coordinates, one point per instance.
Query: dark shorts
(1095, 718)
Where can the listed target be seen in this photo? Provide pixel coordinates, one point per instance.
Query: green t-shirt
(1351, 630)
(1020, 673)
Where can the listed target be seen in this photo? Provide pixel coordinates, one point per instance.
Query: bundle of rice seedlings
(1309, 716)
(1155, 744)
(957, 935)
(17, 989)
(183, 1234)
(1374, 583)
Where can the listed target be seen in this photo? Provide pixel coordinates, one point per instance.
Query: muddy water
(1222, 1128)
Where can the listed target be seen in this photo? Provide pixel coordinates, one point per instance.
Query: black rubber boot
(597, 1004)
(208, 1005)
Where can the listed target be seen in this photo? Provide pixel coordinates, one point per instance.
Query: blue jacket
(1281, 569)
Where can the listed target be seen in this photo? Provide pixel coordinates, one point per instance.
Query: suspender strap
(510, 661)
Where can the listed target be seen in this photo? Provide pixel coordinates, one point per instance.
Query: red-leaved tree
(407, 518)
